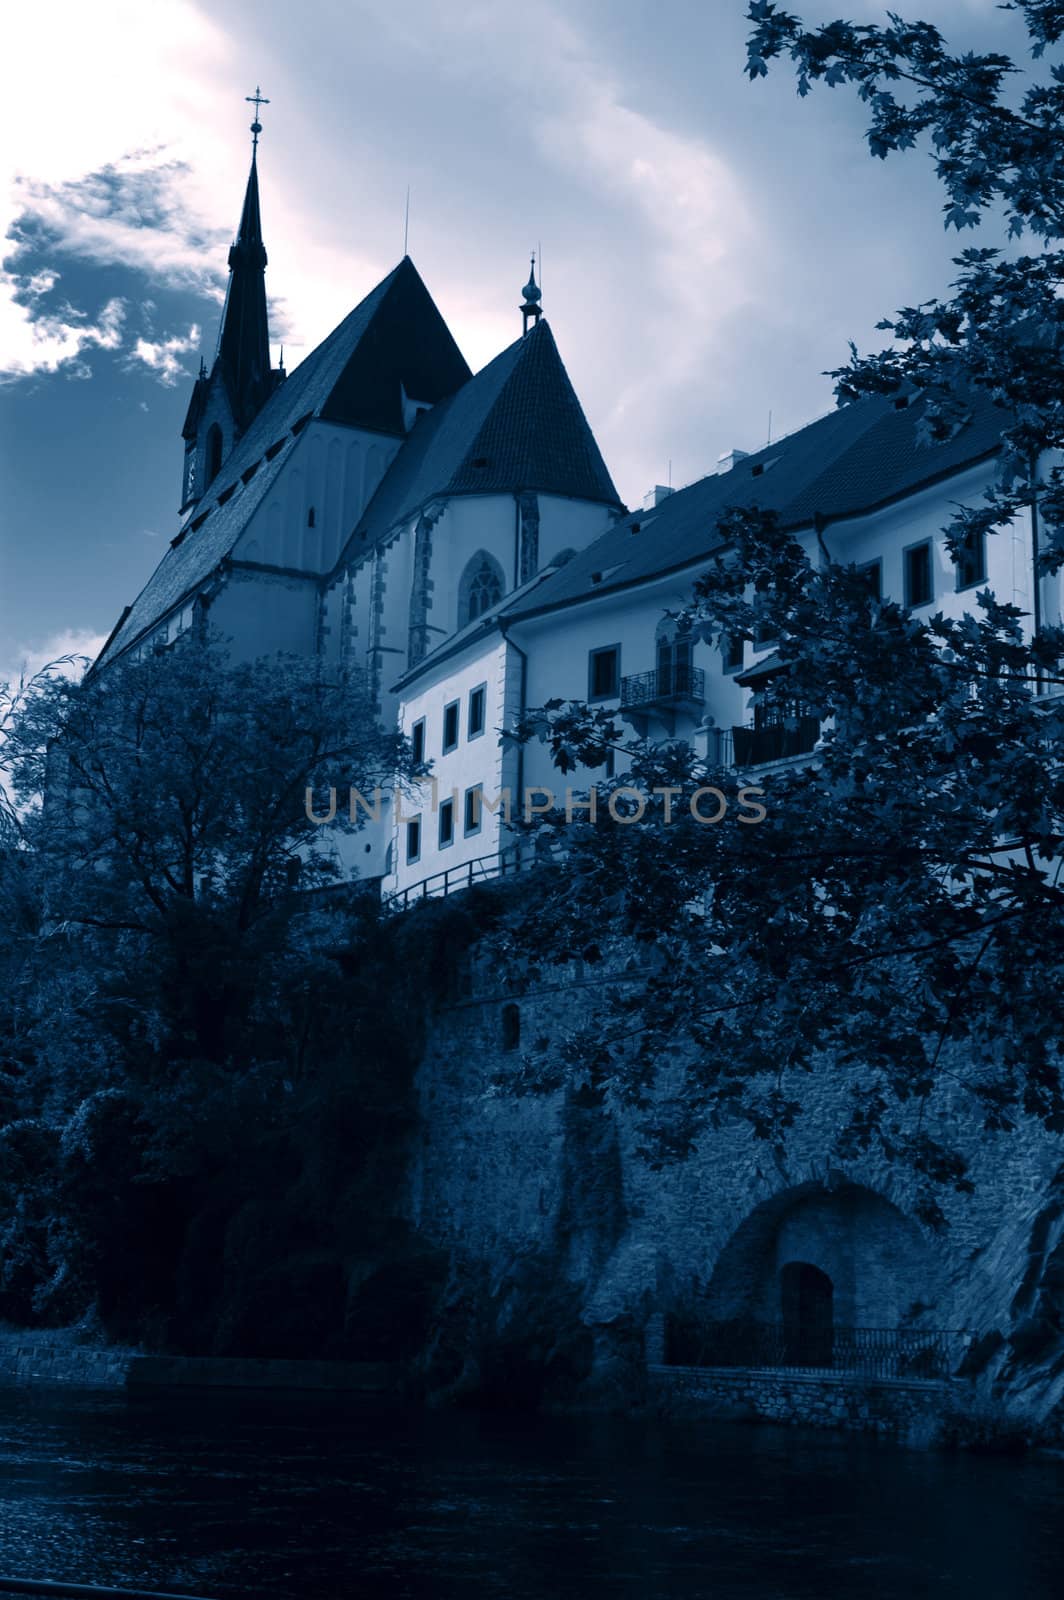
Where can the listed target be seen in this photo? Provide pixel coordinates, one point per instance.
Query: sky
(708, 246)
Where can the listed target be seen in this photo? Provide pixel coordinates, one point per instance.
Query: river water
(265, 1497)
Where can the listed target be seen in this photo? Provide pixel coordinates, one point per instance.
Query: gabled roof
(852, 461)
(397, 333)
(517, 425)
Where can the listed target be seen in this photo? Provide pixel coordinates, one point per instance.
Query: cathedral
(457, 540)
(371, 504)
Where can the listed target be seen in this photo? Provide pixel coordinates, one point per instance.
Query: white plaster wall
(568, 525)
(266, 613)
(557, 644)
(392, 637)
(479, 760)
(490, 522)
(332, 470)
(885, 534)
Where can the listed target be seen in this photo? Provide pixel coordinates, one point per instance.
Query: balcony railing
(931, 1353)
(753, 747)
(664, 686)
(507, 863)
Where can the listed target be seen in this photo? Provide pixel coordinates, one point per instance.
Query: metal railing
(753, 747)
(506, 863)
(676, 682)
(923, 1353)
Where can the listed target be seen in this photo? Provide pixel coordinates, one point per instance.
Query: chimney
(656, 496)
(729, 459)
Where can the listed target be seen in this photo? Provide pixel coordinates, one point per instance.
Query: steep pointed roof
(397, 332)
(243, 354)
(517, 425)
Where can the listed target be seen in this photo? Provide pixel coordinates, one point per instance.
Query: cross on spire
(257, 99)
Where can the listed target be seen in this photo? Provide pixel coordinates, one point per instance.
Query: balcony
(774, 741)
(663, 693)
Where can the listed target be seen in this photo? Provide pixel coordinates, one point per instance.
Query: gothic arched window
(214, 452)
(482, 586)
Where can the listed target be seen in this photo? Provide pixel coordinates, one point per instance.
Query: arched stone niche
(884, 1272)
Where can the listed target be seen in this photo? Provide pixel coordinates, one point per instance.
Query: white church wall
(491, 522)
(469, 523)
(265, 613)
(321, 491)
(391, 623)
(568, 525)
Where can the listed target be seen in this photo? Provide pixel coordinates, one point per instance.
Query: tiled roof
(397, 334)
(517, 425)
(854, 460)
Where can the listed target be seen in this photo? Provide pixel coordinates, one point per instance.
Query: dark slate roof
(852, 461)
(517, 425)
(244, 339)
(418, 352)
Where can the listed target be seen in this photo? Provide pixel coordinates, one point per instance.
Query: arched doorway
(807, 1297)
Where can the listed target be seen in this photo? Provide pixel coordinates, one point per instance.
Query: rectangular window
(733, 651)
(417, 740)
(450, 727)
(474, 807)
(413, 839)
(971, 564)
(446, 823)
(919, 583)
(475, 715)
(872, 573)
(604, 673)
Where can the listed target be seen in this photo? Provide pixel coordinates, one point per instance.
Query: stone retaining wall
(74, 1367)
(905, 1409)
(68, 1365)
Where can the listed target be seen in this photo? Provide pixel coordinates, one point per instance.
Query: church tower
(226, 400)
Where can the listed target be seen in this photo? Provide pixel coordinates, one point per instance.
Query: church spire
(244, 339)
(226, 401)
(533, 294)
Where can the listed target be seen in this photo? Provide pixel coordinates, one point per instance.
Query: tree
(168, 802)
(180, 1004)
(898, 914)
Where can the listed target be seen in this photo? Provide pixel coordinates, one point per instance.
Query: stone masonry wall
(906, 1411)
(500, 1174)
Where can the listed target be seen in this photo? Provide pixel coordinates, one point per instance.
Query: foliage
(204, 1072)
(999, 154)
(897, 917)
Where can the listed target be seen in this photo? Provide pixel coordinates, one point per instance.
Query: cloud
(130, 213)
(133, 212)
(122, 177)
(162, 357)
(22, 661)
(33, 339)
